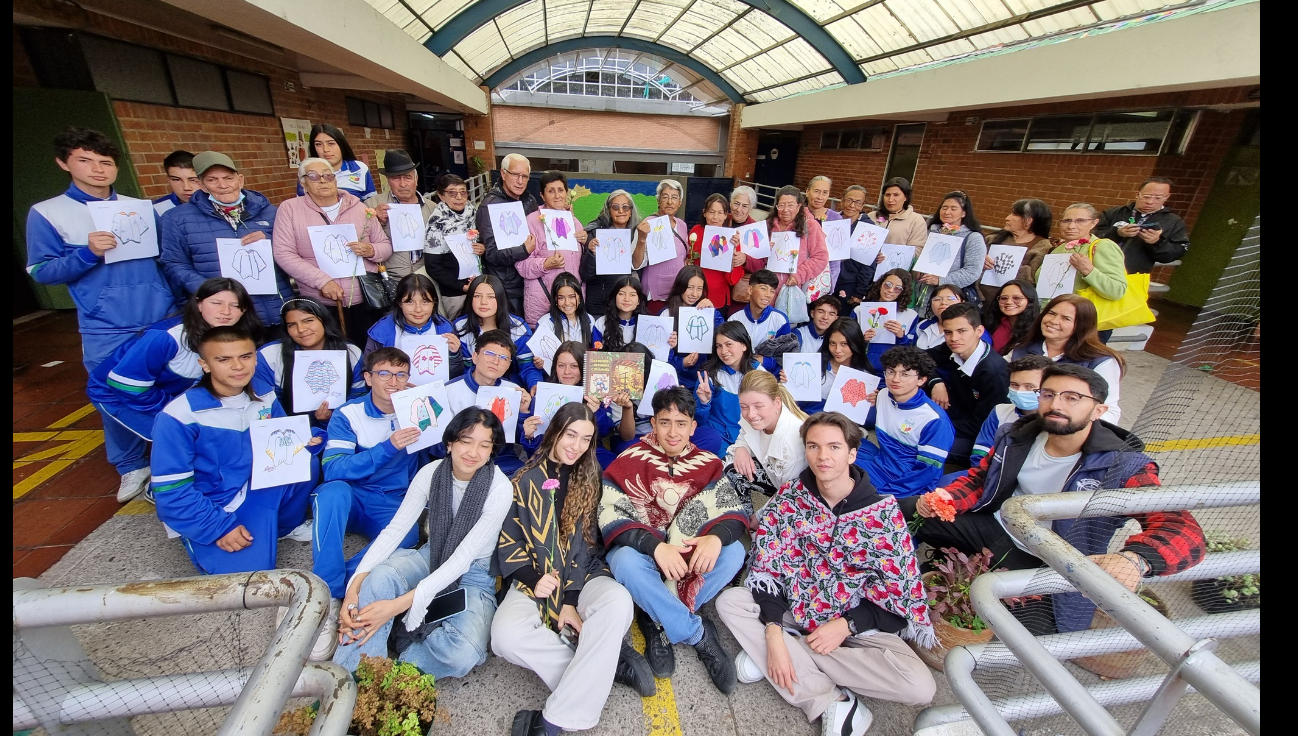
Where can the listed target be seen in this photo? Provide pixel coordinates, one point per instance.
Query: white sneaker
(746, 670)
(133, 484)
(300, 533)
(327, 640)
(846, 717)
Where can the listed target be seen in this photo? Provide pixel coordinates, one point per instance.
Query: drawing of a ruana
(335, 247)
(282, 446)
(129, 227)
(510, 224)
(408, 226)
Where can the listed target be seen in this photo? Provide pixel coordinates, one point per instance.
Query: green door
(1236, 199)
(39, 115)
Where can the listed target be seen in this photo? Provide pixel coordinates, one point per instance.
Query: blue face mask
(1024, 400)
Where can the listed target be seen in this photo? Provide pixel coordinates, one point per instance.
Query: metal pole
(959, 666)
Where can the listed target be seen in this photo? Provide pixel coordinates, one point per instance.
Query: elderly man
(325, 204)
(403, 182)
(515, 170)
(222, 209)
(1146, 229)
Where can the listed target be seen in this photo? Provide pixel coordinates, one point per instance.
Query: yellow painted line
(660, 716)
(74, 417)
(1205, 443)
(34, 436)
(78, 444)
(137, 507)
(39, 477)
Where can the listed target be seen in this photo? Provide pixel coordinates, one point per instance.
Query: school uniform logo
(263, 413)
(906, 427)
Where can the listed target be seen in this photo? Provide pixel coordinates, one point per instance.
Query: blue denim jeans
(452, 649)
(640, 575)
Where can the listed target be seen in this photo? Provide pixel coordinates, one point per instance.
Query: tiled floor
(64, 488)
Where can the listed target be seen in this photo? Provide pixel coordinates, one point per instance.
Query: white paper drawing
(560, 232)
(1006, 261)
(873, 316)
(939, 254)
(661, 376)
(613, 252)
(653, 333)
(406, 226)
(132, 224)
(784, 252)
(470, 266)
(838, 239)
(251, 265)
(329, 242)
(319, 376)
(544, 345)
(279, 451)
(803, 373)
(716, 252)
(754, 240)
(1057, 276)
(695, 333)
(430, 357)
(661, 241)
(425, 408)
(550, 398)
(502, 401)
(867, 240)
(894, 256)
(848, 393)
(508, 224)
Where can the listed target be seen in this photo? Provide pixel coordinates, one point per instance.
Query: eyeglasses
(893, 373)
(1153, 197)
(523, 175)
(315, 178)
(669, 197)
(950, 299)
(389, 375)
(1078, 221)
(619, 208)
(1070, 398)
(857, 203)
(455, 193)
(1011, 299)
(504, 357)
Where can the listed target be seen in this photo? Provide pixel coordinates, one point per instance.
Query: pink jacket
(291, 244)
(658, 278)
(813, 255)
(537, 280)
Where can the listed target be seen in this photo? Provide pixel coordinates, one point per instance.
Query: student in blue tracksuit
(769, 331)
(202, 464)
(133, 384)
(717, 410)
(224, 210)
(568, 370)
(414, 313)
(689, 290)
(181, 178)
(823, 311)
(115, 301)
(895, 286)
(626, 302)
(490, 364)
(913, 432)
(308, 325)
(486, 309)
(567, 319)
(329, 143)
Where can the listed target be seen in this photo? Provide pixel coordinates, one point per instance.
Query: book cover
(609, 372)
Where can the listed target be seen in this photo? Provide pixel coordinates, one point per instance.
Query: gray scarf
(446, 530)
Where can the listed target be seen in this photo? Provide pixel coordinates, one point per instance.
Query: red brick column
(741, 148)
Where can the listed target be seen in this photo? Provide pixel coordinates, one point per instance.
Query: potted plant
(393, 699)
(955, 621)
(1229, 592)
(1118, 665)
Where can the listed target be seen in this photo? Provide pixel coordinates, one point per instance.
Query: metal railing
(74, 700)
(1186, 646)
(478, 186)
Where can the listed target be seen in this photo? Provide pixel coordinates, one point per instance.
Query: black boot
(720, 666)
(662, 660)
(528, 723)
(634, 672)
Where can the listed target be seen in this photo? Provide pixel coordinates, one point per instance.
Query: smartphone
(568, 636)
(446, 605)
(1151, 226)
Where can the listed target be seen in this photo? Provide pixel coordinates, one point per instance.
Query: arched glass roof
(749, 50)
(613, 72)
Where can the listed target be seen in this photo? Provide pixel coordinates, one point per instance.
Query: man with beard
(1063, 446)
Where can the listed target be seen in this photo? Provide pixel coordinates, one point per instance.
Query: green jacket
(1109, 277)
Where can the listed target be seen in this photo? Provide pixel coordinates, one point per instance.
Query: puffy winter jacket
(537, 279)
(189, 255)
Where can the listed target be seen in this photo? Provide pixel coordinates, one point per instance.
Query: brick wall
(255, 142)
(478, 128)
(741, 147)
(541, 126)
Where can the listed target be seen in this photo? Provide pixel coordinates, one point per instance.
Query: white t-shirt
(332, 211)
(1041, 473)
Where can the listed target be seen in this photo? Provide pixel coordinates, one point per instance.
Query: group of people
(609, 516)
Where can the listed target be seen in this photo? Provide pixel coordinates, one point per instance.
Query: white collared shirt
(968, 367)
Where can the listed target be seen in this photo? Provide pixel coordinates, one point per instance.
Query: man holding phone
(1146, 229)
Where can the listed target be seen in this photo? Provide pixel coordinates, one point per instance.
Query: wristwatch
(1141, 563)
(851, 625)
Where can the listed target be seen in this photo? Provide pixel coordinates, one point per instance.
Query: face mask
(228, 205)
(1024, 400)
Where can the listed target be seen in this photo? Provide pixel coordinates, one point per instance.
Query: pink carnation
(550, 485)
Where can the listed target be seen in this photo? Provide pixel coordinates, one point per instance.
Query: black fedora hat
(396, 161)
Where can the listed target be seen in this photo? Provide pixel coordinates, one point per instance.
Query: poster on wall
(297, 133)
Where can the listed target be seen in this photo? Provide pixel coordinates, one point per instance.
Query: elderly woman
(329, 143)
(818, 203)
(742, 202)
(619, 213)
(453, 215)
(324, 204)
(1099, 262)
(812, 272)
(905, 226)
(659, 277)
(954, 217)
(855, 278)
(1028, 225)
(547, 261)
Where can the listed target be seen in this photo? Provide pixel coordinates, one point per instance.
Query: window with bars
(1141, 132)
(871, 138)
(603, 77)
(369, 114)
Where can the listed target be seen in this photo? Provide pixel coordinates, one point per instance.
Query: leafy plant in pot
(955, 621)
(394, 699)
(1229, 592)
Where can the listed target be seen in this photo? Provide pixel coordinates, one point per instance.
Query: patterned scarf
(446, 221)
(671, 498)
(824, 565)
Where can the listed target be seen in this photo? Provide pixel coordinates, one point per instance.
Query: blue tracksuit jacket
(914, 439)
(359, 449)
(722, 413)
(770, 323)
(522, 371)
(383, 334)
(142, 376)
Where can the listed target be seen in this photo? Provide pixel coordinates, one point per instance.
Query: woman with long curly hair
(563, 616)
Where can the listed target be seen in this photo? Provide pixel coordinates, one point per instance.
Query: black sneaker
(720, 666)
(657, 649)
(528, 723)
(634, 672)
